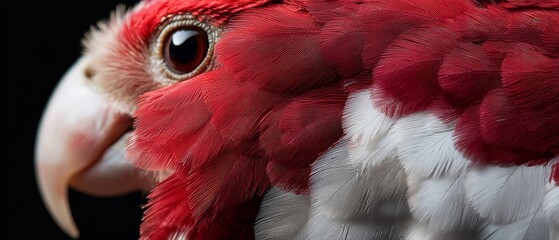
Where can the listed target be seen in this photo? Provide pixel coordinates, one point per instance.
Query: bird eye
(182, 48)
(185, 49)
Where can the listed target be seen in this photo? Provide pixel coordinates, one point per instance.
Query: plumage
(317, 119)
(531, 227)
(282, 215)
(551, 209)
(349, 204)
(441, 204)
(426, 147)
(417, 231)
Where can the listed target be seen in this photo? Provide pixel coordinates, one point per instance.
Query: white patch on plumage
(362, 122)
(450, 197)
(348, 203)
(551, 209)
(341, 190)
(506, 194)
(322, 227)
(426, 147)
(440, 203)
(418, 231)
(282, 215)
(371, 142)
(532, 227)
(371, 156)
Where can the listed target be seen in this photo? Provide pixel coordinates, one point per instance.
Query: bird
(315, 119)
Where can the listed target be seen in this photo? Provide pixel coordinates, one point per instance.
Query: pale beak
(80, 143)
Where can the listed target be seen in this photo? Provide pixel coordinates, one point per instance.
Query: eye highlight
(183, 48)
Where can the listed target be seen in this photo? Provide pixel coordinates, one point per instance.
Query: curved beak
(80, 143)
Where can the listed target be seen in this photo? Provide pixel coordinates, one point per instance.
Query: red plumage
(274, 102)
(219, 147)
(447, 57)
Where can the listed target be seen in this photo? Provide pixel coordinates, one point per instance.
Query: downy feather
(440, 203)
(427, 147)
(506, 194)
(282, 214)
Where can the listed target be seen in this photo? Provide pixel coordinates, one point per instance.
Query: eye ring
(159, 47)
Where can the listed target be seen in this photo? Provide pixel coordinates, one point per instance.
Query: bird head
(229, 73)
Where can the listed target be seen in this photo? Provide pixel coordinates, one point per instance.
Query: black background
(39, 41)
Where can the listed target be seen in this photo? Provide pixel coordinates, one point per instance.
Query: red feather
(275, 47)
(294, 135)
(552, 4)
(408, 71)
(467, 74)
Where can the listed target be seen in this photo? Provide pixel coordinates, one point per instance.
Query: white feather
(532, 227)
(506, 194)
(322, 227)
(347, 203)
(361, 121)
(441, 204)
(341, 190)
(426, 147)
(418, 231)
(551, 209)
(282, 215)
(370, 156)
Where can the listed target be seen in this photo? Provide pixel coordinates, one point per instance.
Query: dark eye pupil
(185, 49)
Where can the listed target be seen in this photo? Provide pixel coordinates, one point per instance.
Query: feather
(382, 153)
(427, 147)
(532, 227)
(506, 194)
(383, 22)
(350, 205)
(441, 204)
(555, 171)
(471, 142)
(279, 39)
(530, 80)
(238, 120)
(322, 227)
(551, 209)
(294, 135)
(282, 215)
(418, 231)
(467, 74)
(363, 122)
(340, 191)
(341, 40)
(163, 121)
(231, 179)
(371, 141)
(553, 4)
(408, 69)
(535, 28)
(172, 214)
(119, 69)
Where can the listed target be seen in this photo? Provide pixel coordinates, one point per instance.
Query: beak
(80, 143)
